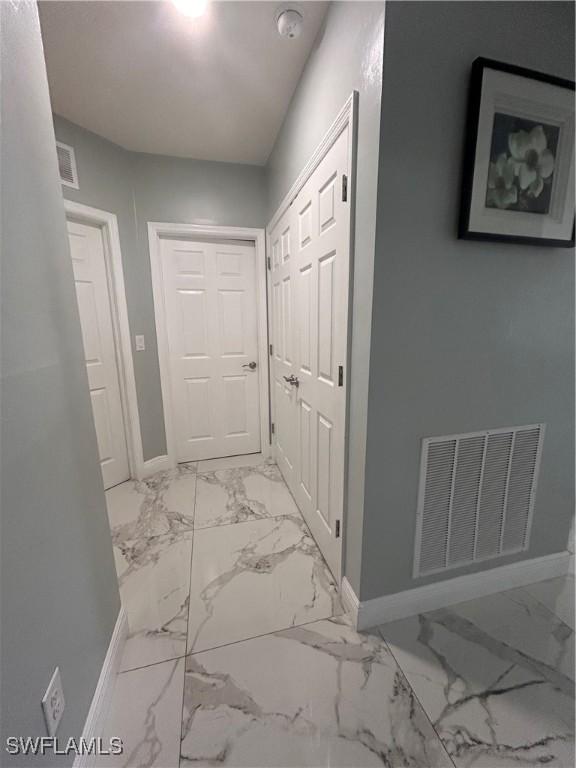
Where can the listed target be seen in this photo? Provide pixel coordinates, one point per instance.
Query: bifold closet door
(211, 322)
(95, 307)
(310, 265)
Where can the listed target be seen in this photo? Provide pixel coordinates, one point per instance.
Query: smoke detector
(289, 22)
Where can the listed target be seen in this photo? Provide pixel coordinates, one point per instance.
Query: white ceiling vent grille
(67, 165)
(476, 496)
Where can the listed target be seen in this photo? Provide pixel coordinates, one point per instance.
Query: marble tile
(154, 580)
(318, 695)
(557, 595)
(495, 677)
(253, 578)
(236, 495)
(146, 713)
(160, 504)
(522, 622)
(232, 462)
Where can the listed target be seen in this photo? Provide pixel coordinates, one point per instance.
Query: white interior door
(211, 324)
(310, 264)
(282, 337)
(95, 307)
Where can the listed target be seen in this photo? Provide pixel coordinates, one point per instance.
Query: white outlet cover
(140, 344)
(53, 703)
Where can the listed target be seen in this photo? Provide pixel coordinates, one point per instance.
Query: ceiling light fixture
(191, 8)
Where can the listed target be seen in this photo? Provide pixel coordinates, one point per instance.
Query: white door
(282, 337)
(94, 304)
(310, 254)
(211, 323)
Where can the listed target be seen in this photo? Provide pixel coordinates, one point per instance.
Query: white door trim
(156, 230)
(108, 223)
(348, 116)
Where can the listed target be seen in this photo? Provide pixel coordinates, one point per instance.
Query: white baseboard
(157, 464)
(430, 597)
(94, 725)
(350, 600)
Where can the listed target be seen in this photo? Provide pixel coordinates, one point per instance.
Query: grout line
(264, 634)
(426, 715)
(188, 614)
(283, 516)
(332, 616)
(151, 664)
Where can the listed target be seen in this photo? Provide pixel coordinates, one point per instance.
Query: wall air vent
(67, 165)
(476, 496)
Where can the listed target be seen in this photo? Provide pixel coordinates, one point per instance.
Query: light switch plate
(140, 344)
(53, 703)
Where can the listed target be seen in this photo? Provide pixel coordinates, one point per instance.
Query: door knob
(293, 380)
(251, 365)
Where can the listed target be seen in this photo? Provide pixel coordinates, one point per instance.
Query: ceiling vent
(476, 496)
(67, 165)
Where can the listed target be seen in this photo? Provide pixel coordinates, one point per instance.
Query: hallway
(239, 653)
(214, 560)
(334, 240)
(210, 554)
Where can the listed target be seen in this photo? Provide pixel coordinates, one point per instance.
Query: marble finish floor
(496, 675)
(239, 654)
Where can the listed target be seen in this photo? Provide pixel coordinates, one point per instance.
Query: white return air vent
(476, 496)
(67, 165)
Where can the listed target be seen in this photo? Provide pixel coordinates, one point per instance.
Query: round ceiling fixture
(289, 22)
(191, 8)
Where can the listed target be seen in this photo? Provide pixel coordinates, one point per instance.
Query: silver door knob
(251, 365)
(293, 380)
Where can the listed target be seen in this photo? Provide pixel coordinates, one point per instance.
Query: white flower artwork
(521, 167)
(518, 180)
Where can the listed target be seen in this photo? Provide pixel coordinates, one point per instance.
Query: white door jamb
(157, 230)
(108, 224)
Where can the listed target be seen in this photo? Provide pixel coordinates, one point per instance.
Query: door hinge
(340, 375)
(272, 427)
(268, 262)
(344, 187)
(337, 529)
(271, 350)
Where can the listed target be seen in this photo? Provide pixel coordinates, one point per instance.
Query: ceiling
(152, 80)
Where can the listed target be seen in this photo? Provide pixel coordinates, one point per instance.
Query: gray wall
(59, 597)
(465, 336)
(139, 188)
(347, 56)
(105, 175)
(181, 191)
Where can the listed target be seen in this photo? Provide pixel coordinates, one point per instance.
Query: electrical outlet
(53, 703)
(140, 345)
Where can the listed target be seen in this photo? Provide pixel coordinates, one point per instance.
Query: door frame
(108, 224)
(158, 230)
(347, 117)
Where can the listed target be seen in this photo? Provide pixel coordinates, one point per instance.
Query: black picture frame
(465, 230)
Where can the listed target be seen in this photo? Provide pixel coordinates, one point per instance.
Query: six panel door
(282, 338)
(310, 257)
(94, 305)
(211, 323)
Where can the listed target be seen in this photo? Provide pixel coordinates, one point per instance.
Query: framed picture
(518, 181)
